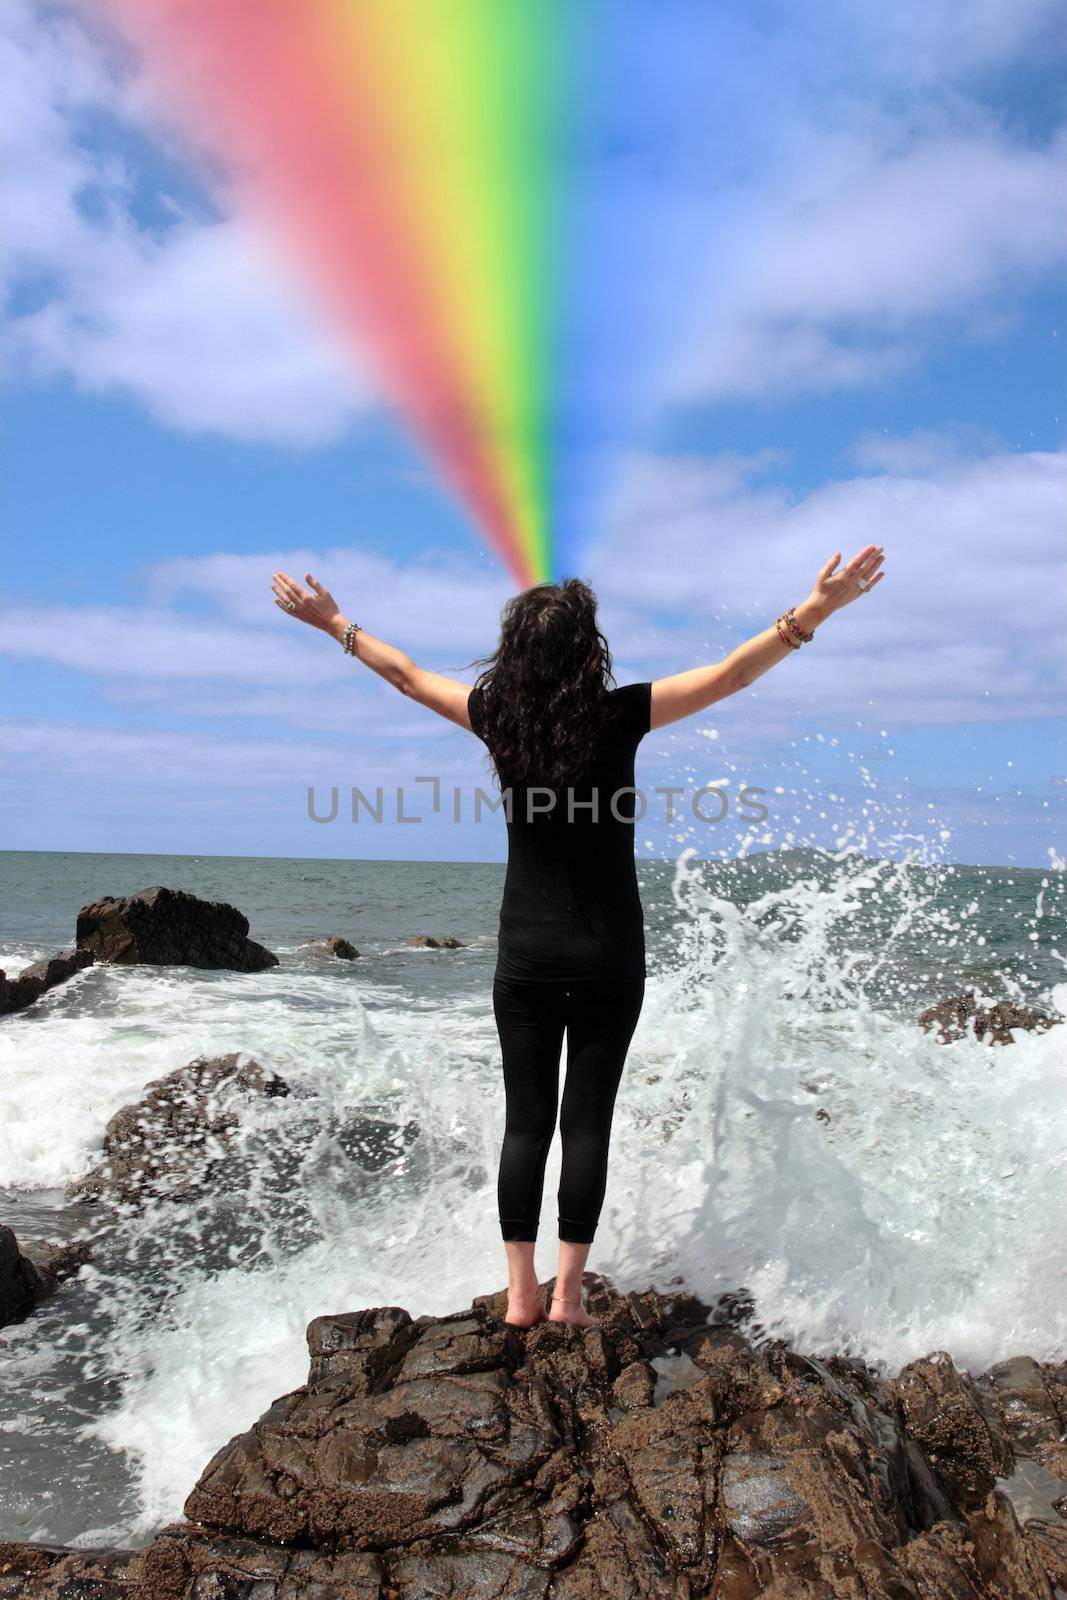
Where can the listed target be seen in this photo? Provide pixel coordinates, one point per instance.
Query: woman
(571, 959)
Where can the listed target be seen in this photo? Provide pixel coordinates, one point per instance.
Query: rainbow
(421, 160)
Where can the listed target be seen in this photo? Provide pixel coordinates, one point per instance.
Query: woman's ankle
(568, 1292)
(524, 1288)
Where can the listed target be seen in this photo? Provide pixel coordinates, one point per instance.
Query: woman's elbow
(737, 678)
(403, 675)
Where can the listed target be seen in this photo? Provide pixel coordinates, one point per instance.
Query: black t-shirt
(571, 907)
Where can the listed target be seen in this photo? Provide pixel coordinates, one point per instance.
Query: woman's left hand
(319, 608)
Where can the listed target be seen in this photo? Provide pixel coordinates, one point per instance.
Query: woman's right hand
(832, 590)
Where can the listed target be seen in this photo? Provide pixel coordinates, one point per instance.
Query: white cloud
(923, 451)
(73, 786)
(158, 759)
(927, 41)
(144, 643)
(840, 273)
(878, 204)
(440, 603)
(197, 327)
(238, 656)
(868, 234)
(967, 626)
(196, 319)
(358, 709)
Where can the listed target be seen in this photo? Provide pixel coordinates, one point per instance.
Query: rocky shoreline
(673, 1451)
(169, 927)
(660, 1454)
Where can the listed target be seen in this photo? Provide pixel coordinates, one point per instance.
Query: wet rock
(1028, 1404)
(983, 1554)
(56, 1263)
(458, 1457)
(438, 1445)
(21, 1285)
(635, 1386)
(427, 941)
(368, 1140)
(962, 1013)
(168, 926)
(333, 945)
(31, 1271)
(1048, 1544)
(51, 1572)
(183, 1561)
(179, 1137)
(944, 1416)
(18, 993)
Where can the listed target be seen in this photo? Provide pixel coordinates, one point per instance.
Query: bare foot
(568, 1311)
(524, 1311)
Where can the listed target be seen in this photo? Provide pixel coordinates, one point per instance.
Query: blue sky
(878, 357)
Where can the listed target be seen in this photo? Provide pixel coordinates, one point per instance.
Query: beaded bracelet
(795, 629)
(348, 638)
(784, 637)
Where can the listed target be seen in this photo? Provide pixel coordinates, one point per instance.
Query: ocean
(784, 1127)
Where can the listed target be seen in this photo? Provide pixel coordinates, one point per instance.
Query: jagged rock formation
(961, 1013)
(18, 993)
(168, 926)
(177, 1139)
(658, 1456)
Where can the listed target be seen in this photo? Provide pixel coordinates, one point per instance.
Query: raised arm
(686, 692)
(319, 609)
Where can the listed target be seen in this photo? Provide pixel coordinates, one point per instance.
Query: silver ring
(863, 583)
(290, 605)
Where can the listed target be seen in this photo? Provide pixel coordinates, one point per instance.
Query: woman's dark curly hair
(545, 687)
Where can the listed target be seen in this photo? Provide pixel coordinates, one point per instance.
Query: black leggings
(599, 1017)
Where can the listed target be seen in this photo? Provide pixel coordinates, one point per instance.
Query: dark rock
(55, 969)
(50, 1572)
(17, 993)
(994, 1022)
(332, 946)
(168, 926)
(1048, 1542)
(203, 1562)
(458, 1457)
(31, 1271)
(56, 1263)
(985, 1554)
(426, 941)
(635, 1386)
(944, 1416)
(368, 1141)
(21, 1285)
(178, 1137)
(1027, 1403)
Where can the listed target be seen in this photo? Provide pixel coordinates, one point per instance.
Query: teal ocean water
(947, 925)
(783, 1125)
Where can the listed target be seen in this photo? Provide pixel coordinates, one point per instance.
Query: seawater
(783, 1127)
